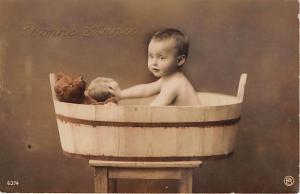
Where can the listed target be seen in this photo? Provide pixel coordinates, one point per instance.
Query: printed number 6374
(12, 183)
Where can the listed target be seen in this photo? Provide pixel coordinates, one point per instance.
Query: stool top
(134, 164)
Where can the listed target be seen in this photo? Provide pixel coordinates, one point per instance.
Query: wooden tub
(132, 130)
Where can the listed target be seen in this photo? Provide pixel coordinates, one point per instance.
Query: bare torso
(184, 92)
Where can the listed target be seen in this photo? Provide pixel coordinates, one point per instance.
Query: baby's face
(162, 57)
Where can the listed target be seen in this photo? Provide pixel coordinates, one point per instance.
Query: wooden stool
(107, 171)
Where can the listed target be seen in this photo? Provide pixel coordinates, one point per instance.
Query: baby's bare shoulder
(178, 78)
(176, 81)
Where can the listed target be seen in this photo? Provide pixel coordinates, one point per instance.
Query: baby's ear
(181, 60)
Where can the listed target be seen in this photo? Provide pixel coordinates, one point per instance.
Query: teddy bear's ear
(79, 81)
(59, 75)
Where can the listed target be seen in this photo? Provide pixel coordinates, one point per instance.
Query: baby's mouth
(155, 70)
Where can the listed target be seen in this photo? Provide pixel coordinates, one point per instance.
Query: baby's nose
(153, 62)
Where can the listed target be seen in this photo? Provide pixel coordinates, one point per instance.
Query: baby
(167, 53)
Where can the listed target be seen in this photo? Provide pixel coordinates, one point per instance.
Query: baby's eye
(162, 58)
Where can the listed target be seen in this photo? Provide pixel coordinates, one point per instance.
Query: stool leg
(101, 180)
(112, 185)
(186, 181)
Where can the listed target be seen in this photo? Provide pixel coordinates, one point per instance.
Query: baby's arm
(166, 96)
(139, 91)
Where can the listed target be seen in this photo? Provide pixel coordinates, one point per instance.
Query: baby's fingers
(115, 92)
(111, 90)
(113, 85)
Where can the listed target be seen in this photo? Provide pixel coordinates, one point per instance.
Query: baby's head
(167, 52)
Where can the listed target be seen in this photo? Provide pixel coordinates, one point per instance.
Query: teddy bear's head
(99, 88)
(68, 89)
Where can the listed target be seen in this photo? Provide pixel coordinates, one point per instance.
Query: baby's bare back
(185, 94)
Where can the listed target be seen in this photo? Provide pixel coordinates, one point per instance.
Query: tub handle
(52, 83)
(240, 93)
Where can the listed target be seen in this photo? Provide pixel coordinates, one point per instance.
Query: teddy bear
(69, 89)
(99, 89)
(73, 90)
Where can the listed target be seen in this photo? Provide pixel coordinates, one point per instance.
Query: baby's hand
(114, 89)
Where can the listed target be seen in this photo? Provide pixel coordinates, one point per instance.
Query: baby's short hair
(182, 41)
